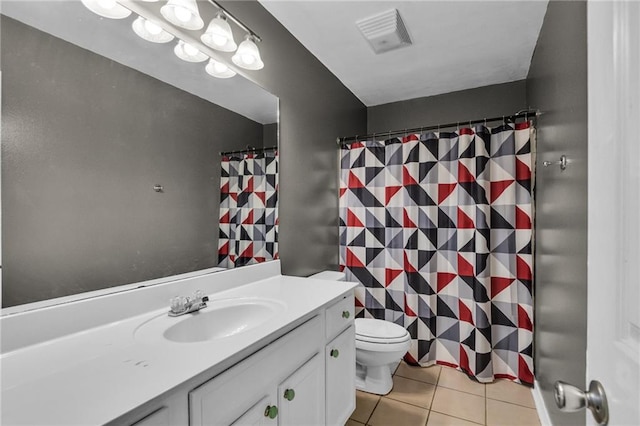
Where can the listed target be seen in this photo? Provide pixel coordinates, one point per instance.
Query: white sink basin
(220, 319)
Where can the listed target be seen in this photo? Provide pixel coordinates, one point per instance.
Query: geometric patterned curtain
(437, 228)
(248, 209)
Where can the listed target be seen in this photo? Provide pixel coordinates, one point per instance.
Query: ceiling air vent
(384, 31)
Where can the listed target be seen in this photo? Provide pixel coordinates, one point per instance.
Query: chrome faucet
(181, 305)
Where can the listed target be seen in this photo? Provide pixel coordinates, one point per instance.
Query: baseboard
(541, 408)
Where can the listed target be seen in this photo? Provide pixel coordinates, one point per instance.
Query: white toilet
(380, 345)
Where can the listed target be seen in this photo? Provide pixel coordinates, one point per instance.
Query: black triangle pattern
(439, 280)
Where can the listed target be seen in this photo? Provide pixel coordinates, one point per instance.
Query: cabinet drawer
(339, 316)
(227, 397)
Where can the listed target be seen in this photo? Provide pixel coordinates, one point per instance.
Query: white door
(613, 336)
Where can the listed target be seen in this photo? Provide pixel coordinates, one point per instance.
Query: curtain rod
(250, 150)
(513, 117)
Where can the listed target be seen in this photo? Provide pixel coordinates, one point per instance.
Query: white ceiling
(456, 44)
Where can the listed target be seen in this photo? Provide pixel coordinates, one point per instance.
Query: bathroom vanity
(268, 349)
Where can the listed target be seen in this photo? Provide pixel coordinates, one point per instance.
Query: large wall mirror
(111, 154)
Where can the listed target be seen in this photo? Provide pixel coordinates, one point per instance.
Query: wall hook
(158, 188)
(562, 162)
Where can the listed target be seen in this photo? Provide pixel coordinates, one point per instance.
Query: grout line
(512, 403)
(455, 417)
(405, 402)
(374, 409)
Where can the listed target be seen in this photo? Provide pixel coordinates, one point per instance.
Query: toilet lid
(376, 330)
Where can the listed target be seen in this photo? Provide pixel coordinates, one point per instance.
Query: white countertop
(97, 375)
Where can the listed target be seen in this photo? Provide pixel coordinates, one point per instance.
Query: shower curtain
(437, 227)
(248, 209)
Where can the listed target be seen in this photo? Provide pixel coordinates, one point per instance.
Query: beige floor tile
(412, 392)
(396, 413)
(459, 404)
(352, 422)
(423, 374)
(507, 391)
(503, 413)
(365, 403)
(437, 419)
(454, 379)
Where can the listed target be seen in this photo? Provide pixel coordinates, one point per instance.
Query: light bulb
(219, 40)
(248, 59)
(182, 14)
(190, 50)
(220, 67)
(107, 4)
(152, 28)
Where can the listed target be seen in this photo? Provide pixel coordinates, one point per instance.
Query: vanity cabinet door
(261, 414)
(340, 358)
(300, 395)
(238, 395)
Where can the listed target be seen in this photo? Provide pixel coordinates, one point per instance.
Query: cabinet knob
(334, 353)
(289, 394)
(271, 411)
(345, 314)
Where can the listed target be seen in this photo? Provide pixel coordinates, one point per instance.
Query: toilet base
(376, 380)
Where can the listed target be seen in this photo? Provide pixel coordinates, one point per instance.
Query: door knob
(570, 398)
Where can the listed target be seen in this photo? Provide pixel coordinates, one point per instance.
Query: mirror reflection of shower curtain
(248, 209)
(437, 227)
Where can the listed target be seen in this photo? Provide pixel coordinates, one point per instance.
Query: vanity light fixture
(188, 53)
(150, 31)
(183, 13)
(219, 69)
(219, 35)
(107, 8)
(248, 56)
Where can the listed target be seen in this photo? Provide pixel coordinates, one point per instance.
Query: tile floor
(442, 396)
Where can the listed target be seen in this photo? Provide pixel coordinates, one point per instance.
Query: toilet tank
(329, 276)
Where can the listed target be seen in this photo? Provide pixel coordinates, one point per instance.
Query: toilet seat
(373, 333)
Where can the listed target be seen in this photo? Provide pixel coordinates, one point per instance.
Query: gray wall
(84, 139)
(270, 135)
(557, 85)
(315, 108)
(471, 104)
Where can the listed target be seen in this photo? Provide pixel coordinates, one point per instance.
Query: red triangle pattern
(354, 182)
(498, 187)
(465, 269)
(444, 190)
(407, 310)
(390, 275)
(523, 221)
(407, 222)
(249, 219)
(498, 284)
(523, 270)
(464, 175)
(353, 221)
(464, 313)
(464, 221)
(407, 179)
(524, 321)
(523, 172)
(389, 192)
(408, 267)
(444, 279)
